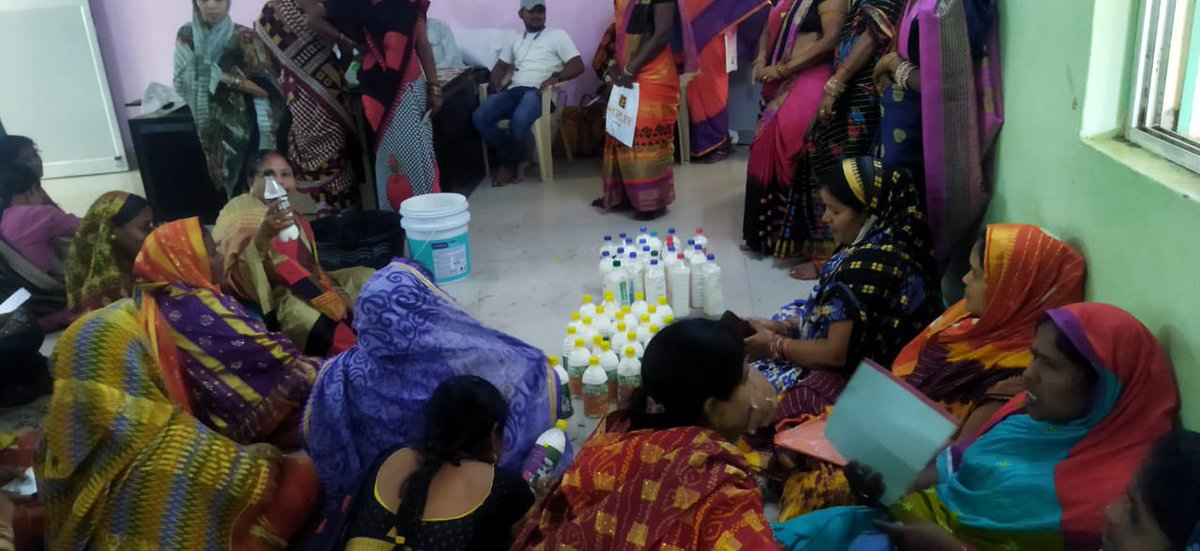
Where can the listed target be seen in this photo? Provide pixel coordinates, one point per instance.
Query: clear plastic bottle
(576, 366)
(701, 239)
(617, 283)
(637, 274)
(588, 308)
(656, 282)
(620, 254)
(664, 309)
(688, 250)
(697, 300)
(669, 264)
(565, 408)
(547, 453)
(274, 191)
(606, 266)
(609, 362)
(681, 285)
(595, 390)
(714, 295)
(643, 234)
(629, 375)
(609, 246)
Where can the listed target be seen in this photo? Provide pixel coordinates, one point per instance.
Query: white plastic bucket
(436, 229)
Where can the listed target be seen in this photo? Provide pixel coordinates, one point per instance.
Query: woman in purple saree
(411, 337)
(942, 110)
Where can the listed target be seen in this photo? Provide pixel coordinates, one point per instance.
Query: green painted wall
(1136, 218)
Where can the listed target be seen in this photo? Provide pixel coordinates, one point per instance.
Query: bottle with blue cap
(714, 296)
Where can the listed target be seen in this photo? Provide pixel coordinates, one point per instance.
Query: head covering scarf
(217, 361)
(122, 467)
(959, 357)
(888, 277)
(680, 488)
(1044, 485)
(411, 338)
(203, 70)
(94, 277)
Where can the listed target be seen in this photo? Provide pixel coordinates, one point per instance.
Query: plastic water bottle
(610, 301)
(639, 307)
(588, 309)
(701, 239)
(605, 265)
(714, 296)
(672, 239)
(664, 309)
(569, 345)
(681, 284)
(576, 321)
(576, 365)
(637, 274)
(595, 390)
(602, 324)
(629, 375)
(587, 331)
(656, 282)
(655, 243)
(274, 191)
(646, 254)
(620, 337)
(620, 254)
(617, 283)
(643, 233)
(609, 246)
(565, 408)
(643, 330)
(698, 282)
(688, 250)
(655, 317)
(596, 343)
(633, 342)
(609, 362)
(698, 255)
(547, 453)
(651, 333)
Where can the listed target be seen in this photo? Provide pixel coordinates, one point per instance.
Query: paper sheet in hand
(14, 301)
(23, 488)
(882, 422)
(620, 120)
(809, 439)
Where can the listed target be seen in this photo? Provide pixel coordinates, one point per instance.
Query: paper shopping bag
(621, 119)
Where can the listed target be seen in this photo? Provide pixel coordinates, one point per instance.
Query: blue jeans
(521, 106)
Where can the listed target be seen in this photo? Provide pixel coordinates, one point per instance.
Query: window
(1166, 99)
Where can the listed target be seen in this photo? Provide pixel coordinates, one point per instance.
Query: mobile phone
(740, 326)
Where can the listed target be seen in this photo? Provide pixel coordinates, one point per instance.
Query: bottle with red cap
(701, 239)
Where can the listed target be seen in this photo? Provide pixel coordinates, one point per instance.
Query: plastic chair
(543, 132)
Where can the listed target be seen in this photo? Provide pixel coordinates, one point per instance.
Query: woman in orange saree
(970, 360)
(642, 177)
(663, 473)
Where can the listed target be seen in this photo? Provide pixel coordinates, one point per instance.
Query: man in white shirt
(537, 60)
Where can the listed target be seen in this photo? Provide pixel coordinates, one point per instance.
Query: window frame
(1155, 32)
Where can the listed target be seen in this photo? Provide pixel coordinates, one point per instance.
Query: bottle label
(565, 408)
(612, 389)
(575, 374)
(541, 464)
(625, 386)
(595, 401)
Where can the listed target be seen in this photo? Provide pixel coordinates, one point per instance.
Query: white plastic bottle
(668, 320)
(587, 331)
(602, 324)
(569, 345)
(609, 246)
(643, 233)
(629, 375)
(576, 365)
(714, 295)
(547, 453)
(617, 283)
(664, 309)
(620, 254)
(597, 342)
(633, 342)
(688, 251)
(655, 243)
(698, 255)
(605, 265)
(637, 274)
(620, 336)
(609, 362)
(588, 308)
(698, 282)
(681, 285)
(655, 317)
(610, 301)
(595, 390)
(669, 264)
(274, 191)
(639, 307)
(701, 239)
(565, 408)
(576, 321)
(656, 282)
(643, 331)
(650, 334)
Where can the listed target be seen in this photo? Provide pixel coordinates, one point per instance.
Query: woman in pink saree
(795, 54)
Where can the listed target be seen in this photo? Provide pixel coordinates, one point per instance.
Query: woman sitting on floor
(411, 337)
(121, 466)
(30, 221)
(971, 359)
(446, 493)
(664, 473)
(879, 290)
(100, 262)
(1099, 392)
(218, 362)
(285, 279)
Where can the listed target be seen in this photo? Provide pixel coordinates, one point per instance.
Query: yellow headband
(854, 178)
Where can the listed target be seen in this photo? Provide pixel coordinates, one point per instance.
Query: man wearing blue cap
(537, 60)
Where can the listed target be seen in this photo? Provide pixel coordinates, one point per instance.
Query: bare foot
(521, 168)
(504, 176)
(805, 272)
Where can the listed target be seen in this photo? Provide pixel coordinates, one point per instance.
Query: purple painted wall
(137, 37)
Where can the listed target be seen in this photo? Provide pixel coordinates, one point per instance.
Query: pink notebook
(809, 439)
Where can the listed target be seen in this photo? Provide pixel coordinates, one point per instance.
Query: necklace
(518, 61)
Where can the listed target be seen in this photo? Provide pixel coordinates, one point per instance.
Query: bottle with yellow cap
(664, 308)
(610, 303)
(588, 308)
(609, 363)
(639, 307)
(602, 323)
(632, 341)
(595, 390)
(629, 375)
(569, 345)
(643, 330)
(548, 451)
(586, 330)
(620, 336)
(576, 365)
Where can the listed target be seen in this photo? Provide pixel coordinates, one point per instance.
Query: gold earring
(112, 237)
